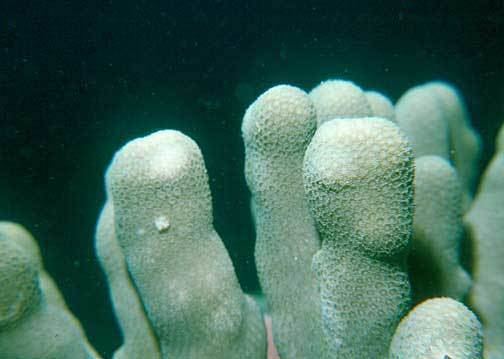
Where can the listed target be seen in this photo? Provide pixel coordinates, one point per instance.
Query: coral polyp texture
(465, 142)
(421, 118)
(361, 210)
(158, 186)
(381, 106)
(33, 324)
(139, 340)
(438, 328)
(358, 176)
(438, 229)
(276, 130)
(485, 222)
(339, 99)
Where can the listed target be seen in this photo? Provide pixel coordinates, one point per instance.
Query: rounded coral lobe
(281, 120)
(358, 175)
(339, 99)
(20, 291)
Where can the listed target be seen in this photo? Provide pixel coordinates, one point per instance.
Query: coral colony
(360, 208)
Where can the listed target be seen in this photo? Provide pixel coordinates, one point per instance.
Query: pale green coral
(464, 140)
(20, 289)
(358, 176)
(31, 327)
(438, 328)
(276, 130)
(420, 116)
(485, 221)
(20, 235)
(138, 338)
(437, 231)
(163, 222)
(381, 106)
(436, 121)
(339, 99)
(350, 185)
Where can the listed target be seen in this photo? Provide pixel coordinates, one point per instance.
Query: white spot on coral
(162, 224)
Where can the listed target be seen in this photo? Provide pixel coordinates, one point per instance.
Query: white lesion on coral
(162, 224)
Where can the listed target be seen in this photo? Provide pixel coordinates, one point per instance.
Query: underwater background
(79, 79)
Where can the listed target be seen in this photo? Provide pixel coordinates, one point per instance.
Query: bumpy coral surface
(17, 234)
(381, 106)
(163, 222)
(138, 338)
(334, 214)
(438, 231)
(465, 142)
(19, 282)
(485, 221)
(420, 116)
(438, 328)
(30, 326)
(276, 130)
(339, 99)
(358, 176)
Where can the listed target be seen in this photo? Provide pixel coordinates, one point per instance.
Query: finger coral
(485, 222)
(163, 222)
(358, 176)
(138, 338)
(33, 325)
(276, 130)
(438, 328)
(339, 99)
(361, 209)
(434, 263)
